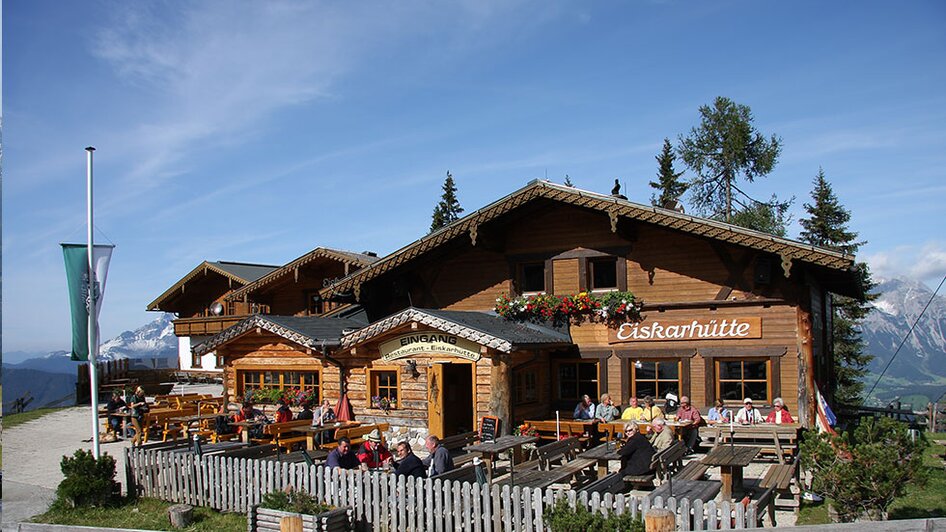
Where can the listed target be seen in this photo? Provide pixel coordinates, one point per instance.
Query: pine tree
(724, 146)
(827, 227)
(568, 181)
(449, 209)
(668, 181)
(770, 217)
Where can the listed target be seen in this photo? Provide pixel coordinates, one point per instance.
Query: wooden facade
(690, 273)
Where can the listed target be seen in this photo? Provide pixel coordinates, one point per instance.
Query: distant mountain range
(920, 367)
(50, 379)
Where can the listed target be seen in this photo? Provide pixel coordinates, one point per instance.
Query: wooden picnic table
(541, 479)
(704, 490)
(186, 421)
(784, 437)
(247, 425)
(604, 454)
(731, 459)
(504, 443)
(311, 431)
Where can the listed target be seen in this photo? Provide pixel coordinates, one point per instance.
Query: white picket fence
(387, 502)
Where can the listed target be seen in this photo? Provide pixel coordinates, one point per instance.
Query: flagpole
(93, 341)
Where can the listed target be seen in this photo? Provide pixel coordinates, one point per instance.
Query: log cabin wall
(265, 352)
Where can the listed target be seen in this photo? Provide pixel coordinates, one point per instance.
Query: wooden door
(435, 400)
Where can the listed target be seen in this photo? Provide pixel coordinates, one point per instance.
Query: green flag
(77, 278)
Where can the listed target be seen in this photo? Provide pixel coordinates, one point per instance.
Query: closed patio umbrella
(343, 411)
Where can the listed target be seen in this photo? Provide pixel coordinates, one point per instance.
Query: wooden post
(181, 515)
(500, 403)
(659, 520)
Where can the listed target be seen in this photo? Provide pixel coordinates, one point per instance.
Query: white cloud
(926, 262)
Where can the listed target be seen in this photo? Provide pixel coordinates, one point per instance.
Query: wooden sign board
(489, 428)
(663, 330)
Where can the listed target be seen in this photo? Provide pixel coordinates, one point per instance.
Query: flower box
(266, 520)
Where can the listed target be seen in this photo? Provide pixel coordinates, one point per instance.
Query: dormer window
(532, 277)
(603, 273)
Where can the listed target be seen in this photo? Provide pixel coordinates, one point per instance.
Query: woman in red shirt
(779, 413)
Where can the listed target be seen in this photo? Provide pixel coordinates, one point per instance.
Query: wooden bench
(459, 441)
(556, 452)
(285, 435)
(546, 430)
(663, 464)
(763, 502)
(695, 470)
(160, 419)
(610, 483)
(779, 477)
(253, 451)
(459, 474)
(355, 434)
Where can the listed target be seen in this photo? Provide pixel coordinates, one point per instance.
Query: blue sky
(256, 131)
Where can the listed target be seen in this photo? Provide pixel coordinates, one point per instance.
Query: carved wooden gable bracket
(613, 215)
(473, 233)
(787, 265)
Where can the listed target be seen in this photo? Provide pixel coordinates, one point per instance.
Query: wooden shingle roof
(359, 260)
(237, 272)
(615, 208)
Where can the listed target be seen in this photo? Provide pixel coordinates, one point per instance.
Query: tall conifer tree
(449, 209)
(827, 227)
(668, 180)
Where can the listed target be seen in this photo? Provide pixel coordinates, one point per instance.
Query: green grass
(12, 420)
(147, 514)
(917, 503)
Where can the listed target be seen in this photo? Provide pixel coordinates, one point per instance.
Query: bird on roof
(616, 191)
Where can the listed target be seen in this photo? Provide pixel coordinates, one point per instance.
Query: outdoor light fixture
(412, 368)
(637, 364)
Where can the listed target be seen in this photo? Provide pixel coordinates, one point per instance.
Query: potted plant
(290, 505)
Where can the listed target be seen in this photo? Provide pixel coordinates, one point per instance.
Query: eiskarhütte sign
(658, 330)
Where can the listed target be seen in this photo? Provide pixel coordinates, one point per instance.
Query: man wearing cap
(373, 453)
(748, 415)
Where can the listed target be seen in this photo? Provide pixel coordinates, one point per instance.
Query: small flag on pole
(77, 278)
(825, 418)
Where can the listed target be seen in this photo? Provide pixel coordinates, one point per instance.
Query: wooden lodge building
(727, 313)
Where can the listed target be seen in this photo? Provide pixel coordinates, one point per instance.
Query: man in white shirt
(748, 415)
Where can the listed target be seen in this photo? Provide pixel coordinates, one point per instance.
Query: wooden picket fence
(387, 502)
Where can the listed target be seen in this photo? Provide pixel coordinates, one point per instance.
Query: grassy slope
(12, 420)
(919, 502)
(147, 514)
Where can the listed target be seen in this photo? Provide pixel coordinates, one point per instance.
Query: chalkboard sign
(489, 427)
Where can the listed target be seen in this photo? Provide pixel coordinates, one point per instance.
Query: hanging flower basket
(609, 307)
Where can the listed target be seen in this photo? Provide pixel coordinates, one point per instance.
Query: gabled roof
(359, 260)
(307, 331)
(615, 208)
(239, 272)
(484, 328)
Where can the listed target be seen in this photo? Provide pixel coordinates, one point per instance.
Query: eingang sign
(429, 343)
(701, 329)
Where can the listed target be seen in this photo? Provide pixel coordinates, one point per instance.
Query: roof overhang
(202, 269)
(542, 335)
(615, 208)
(270, 324)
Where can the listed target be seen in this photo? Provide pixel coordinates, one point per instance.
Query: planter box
(266, 520)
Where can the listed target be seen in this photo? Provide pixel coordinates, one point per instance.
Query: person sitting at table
(283, 413)
(632, 412)
(748, 415)
(323, 414)
(407, 463)
(606, 412)
(660, 437)
(373, 454)
(306, 412)
(636, 453)
(650, 411)
(690, 432)
(139, 407)
(248, 413)
(585, 409)
(439, 460)
(342, 456)
(114, 404)
(718, 413)
(779, 413)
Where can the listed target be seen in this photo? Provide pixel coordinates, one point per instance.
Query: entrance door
(450, 399)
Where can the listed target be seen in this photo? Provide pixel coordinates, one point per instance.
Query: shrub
(88, 482)
(291, 500)
(863, 470)
(562, 518)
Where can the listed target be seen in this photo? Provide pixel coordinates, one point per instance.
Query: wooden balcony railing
(204, 326)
